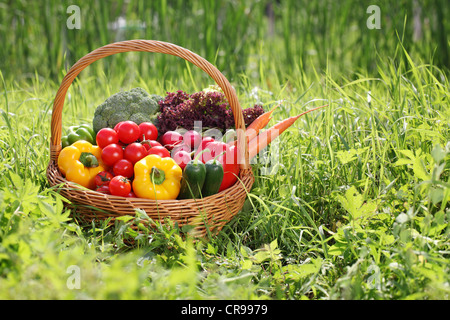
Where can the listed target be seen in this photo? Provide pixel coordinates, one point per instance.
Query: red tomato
(131, 195)
(150, 144)
(134, 152)
(106, 136)
(182, 158)
(111, 154)
(148, 131)
(124, 168)
(128, 131)
(170, 139)
(120, 186)
(192, 139)
(160, 151)
(103, 178)
(103, 189)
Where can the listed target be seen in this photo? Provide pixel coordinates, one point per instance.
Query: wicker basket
(208, 214)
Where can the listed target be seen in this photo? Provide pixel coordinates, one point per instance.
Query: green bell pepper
(214, 177)
(192, 181)
(81, 132)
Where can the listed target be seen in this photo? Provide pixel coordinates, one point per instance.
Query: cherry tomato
(134, 152)
(120, 186)
(106, 136)
(182, 158)
(170, 139)
(160, 151)
(150, 144)
(111, 154)
(148, 131)
(131, 195)
(103, 189)
(128, 131)
(192, 139)
(103, 178)
(123, 167)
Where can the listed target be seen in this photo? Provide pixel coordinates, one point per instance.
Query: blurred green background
(234, 35)
(358, 206)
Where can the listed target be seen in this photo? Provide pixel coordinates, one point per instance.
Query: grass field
(358, 204)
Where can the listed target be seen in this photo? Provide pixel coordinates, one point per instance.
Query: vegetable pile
(163, 159)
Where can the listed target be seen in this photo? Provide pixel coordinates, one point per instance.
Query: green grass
(358, 207)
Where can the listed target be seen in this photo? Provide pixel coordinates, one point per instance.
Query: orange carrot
(257, 124)
(261, 121)
(261, 141)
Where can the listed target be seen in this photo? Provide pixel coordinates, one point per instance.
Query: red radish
(192, 139)
(170, 139)
(214, 149)
(182, 147)
(181, 157)
(206, 141)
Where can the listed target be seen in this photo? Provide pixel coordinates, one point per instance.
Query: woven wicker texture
(210, 213)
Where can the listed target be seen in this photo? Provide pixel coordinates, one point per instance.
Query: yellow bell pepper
(157, 178)
(81, 162)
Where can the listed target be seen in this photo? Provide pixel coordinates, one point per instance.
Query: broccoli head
(135, 105)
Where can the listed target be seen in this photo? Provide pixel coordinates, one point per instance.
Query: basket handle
(149, 46)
